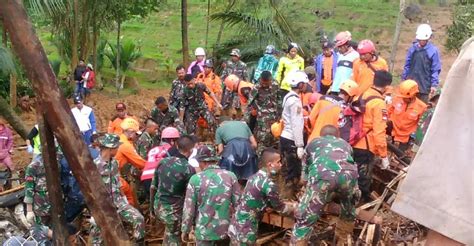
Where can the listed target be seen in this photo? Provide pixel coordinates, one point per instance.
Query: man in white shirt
(85, 119)
(291, 139)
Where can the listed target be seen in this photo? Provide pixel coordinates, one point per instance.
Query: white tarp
(438, 190)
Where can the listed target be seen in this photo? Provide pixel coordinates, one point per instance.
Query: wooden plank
(276, 219)
(12, 190)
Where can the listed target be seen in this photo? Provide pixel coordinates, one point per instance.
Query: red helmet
(366, 46)
(170, 132)
(231, 82)
(342, 38)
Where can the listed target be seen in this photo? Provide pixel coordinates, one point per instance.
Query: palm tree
(128, 53)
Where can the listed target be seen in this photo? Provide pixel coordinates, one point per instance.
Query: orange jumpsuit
(214, 84)
(374, 124)
(405, 117)
(126, 153)
(325, 112)
(114, 125)
(363, 74)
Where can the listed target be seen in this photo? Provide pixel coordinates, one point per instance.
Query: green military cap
(206, 153)
(110, 141)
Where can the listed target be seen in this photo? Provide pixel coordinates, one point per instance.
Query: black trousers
(291, 163)
(365, 163)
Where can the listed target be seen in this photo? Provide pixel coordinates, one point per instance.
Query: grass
(159, 35)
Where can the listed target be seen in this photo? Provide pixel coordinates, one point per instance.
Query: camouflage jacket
(144, 143)
(109, 171)
(177, 88)
(266, 101)
(423, 124)
(36, 190)
(326, 154)
(170, 180)
(237, 68)
(193, 99)
(259, 193)
(210, 198)
(170, 118)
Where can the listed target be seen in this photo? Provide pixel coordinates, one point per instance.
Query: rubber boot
(344, 229)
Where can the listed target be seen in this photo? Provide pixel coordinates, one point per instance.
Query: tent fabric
(438, 189)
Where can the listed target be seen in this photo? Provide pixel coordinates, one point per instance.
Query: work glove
(385, 163)
(30, 217)
(388, 99)
(29, 149)
(300, 152)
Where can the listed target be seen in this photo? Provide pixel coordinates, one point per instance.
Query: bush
(66, 87)
(462, 27)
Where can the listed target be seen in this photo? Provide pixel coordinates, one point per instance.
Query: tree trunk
(12, 118)
(208, 20)
(84, 31)
(53, 182)
(221, 29)
(184, 32)
(95, 37)
(74, 36)
(13, 98)
(59, 117)
(117, 59)
(396, 36)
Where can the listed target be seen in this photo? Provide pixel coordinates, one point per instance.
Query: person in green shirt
(237, 145)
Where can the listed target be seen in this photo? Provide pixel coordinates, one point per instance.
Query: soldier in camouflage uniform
(177, 87)
(210, 197)
(265, 106)
(109, 171)
(237, 67)
(166, 115)
(330, 172)
(194, 105)
(260, 192)
(146, 141)
(37, 201)
(169, 181)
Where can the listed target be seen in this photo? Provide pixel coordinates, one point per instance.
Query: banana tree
(128, 53)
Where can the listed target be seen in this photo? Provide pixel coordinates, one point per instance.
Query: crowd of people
(223, 149)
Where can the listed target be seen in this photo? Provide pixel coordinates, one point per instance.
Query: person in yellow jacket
(291, 62)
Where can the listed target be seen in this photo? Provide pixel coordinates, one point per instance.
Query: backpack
(351, 121)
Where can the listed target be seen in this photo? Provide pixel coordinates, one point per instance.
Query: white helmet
(199, 52)
(423, 32)
(296, 77)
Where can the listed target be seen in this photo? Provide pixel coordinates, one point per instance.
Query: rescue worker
(374, 125)
(260, 193)
(346, 56)
(423, 63)
(109, 171)
(425, 120)
(325, 65)
(291, 139)
(211, 196)
(405, 112)
(239, 87)
(365, 66)
(213, 83)
(169, 186)
(235, 66)
(289, 63)
(38, 205)
(177, 87)
(237, 145)
(265, 107)
(326, 111)
(33, 142)
(194, 106)
(115, 124)
(130, 163)
(196, 67)
(85, 119)
(330, 172)
(268, 62)
(166, 115)
(145, 142)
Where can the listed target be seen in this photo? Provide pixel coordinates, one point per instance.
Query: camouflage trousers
(129, 215)
(320, 191)
(191, 119)
(171, 215)
(264, 135)
(224, 242)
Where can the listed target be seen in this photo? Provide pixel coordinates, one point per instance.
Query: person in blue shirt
(268, 62)
(325, 65)
(423, 63)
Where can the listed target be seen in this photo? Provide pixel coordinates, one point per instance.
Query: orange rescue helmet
(408, 89)
(349, 87)
(231, 82)
(277, 128)
(130, 124)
